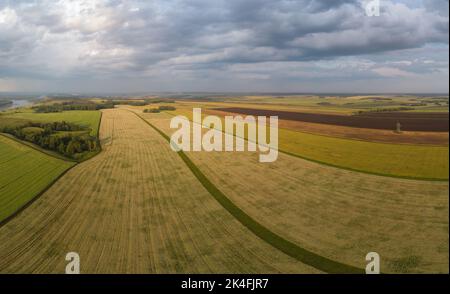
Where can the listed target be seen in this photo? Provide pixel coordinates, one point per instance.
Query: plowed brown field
(425, 122)
(371, 135)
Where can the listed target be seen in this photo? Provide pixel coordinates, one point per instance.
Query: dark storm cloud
(439, 6)
(202, 37)
(260, 30)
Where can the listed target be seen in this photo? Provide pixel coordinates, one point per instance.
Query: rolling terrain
(135, 208)
(338, 214)
(139, 207)
(387, 159)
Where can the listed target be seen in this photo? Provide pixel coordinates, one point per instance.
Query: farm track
(336, 213)
(134, 208)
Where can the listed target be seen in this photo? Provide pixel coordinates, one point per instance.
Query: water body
(15, 104)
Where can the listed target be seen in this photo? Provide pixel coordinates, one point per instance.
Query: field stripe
(286, 246)
(339, 166)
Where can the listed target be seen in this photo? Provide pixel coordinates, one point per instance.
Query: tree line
(379, 110)
(49, 136)
(5, 102)
(68, 106)
(159, 109)
(89, 105)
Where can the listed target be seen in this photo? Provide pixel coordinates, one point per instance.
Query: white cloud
(8, 17)
(393, 72)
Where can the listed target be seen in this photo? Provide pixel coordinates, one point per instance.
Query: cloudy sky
(224, 45)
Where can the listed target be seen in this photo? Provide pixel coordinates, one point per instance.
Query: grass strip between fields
(301, 254)
(338, 166)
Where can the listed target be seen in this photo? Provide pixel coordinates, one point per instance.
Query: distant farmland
(333, 212)
(430, 162)
(139, 207)
(413, 121)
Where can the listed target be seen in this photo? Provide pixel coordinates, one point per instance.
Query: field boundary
(301, 254)
(344, 167)
(93, 154)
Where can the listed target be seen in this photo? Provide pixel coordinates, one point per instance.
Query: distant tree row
(159, 109)
(158, 101)
(90, 105)
(392, 109)
(59, 107)
(169, 108)
(5, 102)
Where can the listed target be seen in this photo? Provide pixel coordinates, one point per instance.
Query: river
(15, 104)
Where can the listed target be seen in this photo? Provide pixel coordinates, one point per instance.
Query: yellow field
(134, 208)
(397, 160)
(339, 214)
(138, 208)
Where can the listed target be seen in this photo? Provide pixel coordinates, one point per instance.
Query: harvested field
(134, 208)
(341, 215)
(423, 122)
(24, 173)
